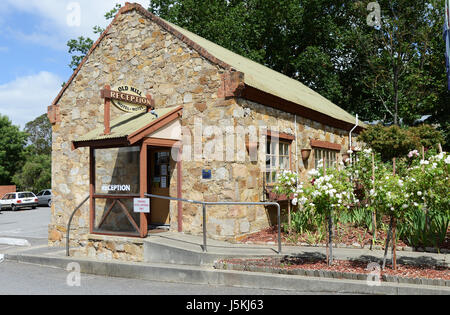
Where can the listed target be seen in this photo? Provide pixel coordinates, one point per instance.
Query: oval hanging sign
(128, 99)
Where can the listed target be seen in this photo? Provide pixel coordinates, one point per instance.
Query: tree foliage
(394, 141)
(36, 173)
(12, 144)
(40, 135)
(78, 48)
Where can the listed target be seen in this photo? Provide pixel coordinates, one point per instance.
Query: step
(170, 248)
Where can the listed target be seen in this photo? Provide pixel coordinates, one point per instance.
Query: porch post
(143, 187)
(107, 114)
(91, 189)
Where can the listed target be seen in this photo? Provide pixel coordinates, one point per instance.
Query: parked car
(45, 198)
(19, 200)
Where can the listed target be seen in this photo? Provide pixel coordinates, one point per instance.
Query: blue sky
(33, 54)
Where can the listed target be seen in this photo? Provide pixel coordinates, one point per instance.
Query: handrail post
(204, 229)
(279, 227)
(70, 222)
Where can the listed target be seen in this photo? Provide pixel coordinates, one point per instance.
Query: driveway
(30, 225)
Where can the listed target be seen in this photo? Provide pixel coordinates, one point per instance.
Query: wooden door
(159, 184)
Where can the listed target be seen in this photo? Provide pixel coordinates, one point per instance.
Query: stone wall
(140, 53)
(109, 248)
(241, 179)
(136, 52)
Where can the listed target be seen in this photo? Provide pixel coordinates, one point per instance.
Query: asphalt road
(24, 279)
(25, 223)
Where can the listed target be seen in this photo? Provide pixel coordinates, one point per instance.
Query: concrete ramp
(183, 249)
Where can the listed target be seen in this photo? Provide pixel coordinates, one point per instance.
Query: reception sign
(128, 99)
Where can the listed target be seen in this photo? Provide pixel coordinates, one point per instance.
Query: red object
(36, 200)
(107, 113)
(6, 190)
(19, 201)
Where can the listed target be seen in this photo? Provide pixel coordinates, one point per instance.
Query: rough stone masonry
(138, 52)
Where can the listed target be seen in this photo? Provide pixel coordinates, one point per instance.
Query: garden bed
(345, 237)
(352, 270)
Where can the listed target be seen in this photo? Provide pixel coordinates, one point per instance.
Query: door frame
(163, 143)
(159, 207)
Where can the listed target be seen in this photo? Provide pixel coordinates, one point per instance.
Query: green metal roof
(270, 81)
(125, 125)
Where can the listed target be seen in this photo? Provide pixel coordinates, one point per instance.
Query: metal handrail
(70, 222)
(204, 204)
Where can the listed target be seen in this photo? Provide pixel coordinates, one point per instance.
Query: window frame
(326, 147)
(269, 180)
(330, 163)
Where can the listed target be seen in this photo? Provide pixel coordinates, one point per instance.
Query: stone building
(189, 119)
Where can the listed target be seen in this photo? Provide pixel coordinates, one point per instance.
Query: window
(277, 159)
(26, 195)
(47, 193)
(40, 194)
(329, 156)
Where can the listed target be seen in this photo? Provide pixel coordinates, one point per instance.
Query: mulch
(344, 234)
(345, 266)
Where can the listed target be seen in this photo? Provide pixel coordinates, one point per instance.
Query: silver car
(45, 197)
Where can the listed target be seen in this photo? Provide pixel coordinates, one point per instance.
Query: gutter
(351, 131)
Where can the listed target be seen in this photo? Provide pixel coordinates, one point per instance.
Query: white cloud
(54, 30)
(28, 97)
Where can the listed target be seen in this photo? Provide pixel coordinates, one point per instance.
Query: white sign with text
(141, 205)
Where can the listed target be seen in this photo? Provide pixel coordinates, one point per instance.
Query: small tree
(392, 199)
(286, 185)
(331, 191)
(364, 172)
(429, 189)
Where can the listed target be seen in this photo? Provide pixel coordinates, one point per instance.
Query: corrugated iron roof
(270, 81)
(125, 125)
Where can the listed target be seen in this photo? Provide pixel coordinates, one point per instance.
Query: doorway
(159, 176)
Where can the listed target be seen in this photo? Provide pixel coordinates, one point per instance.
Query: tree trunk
(289, 216)
(374, 213)
(330, 237)
(386, 248)
(394, 243)
(395, 83)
